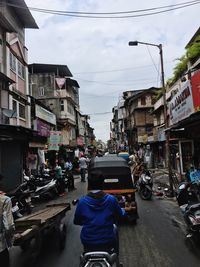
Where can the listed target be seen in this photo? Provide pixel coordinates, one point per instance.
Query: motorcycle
(145, 185)
(100, 259)
(15, 209)
(190, 207)
(66, 178)
(22, 196)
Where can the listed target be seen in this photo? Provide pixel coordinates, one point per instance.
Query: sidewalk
(160, 177)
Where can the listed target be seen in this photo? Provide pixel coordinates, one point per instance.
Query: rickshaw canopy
(116, 174)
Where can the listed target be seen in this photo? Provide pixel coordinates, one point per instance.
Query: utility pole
(167, 132)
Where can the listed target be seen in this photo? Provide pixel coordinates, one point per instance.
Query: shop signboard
(195, 80)
(55, 140)
(42, 128)
(45, 115)
(181, 106)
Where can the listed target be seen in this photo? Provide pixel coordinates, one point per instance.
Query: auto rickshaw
(117, 181)
(124, 155)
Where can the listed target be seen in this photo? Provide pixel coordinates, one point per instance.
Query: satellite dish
(9, 113)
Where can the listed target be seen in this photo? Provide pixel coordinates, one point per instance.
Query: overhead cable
(118, 70)
(116, 14)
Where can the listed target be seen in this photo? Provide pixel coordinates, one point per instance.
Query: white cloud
(92, 45)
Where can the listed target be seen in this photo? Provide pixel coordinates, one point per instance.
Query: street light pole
(167, 133)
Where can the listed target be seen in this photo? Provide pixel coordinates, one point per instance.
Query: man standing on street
(6, 227)
(83, 167)
(68, 169)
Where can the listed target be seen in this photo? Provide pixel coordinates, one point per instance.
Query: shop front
(14, 142)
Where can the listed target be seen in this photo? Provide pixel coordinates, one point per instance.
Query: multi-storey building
(52, 85)
(184, 111)
(118, 134)
(139, 119)
(15, 121)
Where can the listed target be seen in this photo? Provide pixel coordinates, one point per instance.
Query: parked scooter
(190, 207)
(47, 191)
(145, 185)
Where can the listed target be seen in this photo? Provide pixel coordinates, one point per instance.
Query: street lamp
(135, 43)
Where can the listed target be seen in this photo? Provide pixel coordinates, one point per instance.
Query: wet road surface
(158, 239)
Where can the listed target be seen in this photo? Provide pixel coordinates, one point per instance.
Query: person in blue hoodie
(97, 213)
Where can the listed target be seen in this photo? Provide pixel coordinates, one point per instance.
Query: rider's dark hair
(95, 180)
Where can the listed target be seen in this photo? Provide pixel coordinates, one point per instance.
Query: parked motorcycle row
(187, 194)
(37, 188)
(188, 198)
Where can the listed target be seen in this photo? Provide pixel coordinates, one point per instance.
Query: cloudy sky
(96, 49)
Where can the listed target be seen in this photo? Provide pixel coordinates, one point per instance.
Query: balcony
(67, 117)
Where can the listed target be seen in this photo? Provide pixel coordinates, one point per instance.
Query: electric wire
(118, 70)
(115, 84)
(80, 14)
(106, 13)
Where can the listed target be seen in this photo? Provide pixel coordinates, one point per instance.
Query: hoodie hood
(97, 200)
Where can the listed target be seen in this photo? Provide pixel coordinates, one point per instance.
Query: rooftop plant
(191, 54)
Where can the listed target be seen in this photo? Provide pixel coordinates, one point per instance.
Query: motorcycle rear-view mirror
(75, 201)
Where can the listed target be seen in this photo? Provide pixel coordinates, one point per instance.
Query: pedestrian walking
(6, 227)
(60, 179)
(83, 167)
(133, 161)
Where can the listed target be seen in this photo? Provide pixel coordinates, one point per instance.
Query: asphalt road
(157, 240)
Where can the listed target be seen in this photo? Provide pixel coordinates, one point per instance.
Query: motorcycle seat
(193, 207)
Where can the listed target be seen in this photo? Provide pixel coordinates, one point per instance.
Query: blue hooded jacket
(97, 212)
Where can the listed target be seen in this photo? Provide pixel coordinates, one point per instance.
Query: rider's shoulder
(111, 197)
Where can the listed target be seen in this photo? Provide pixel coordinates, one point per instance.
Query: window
(143, 100)
(12, 62)
(62, 107)
(70, 109)
(73, 133)
(19, 108)
(22, 111)
(41, 91)
(14, 105)
(21, 70)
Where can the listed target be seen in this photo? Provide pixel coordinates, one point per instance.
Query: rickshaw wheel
(25, 246)
(32, 246)
(62, 236)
